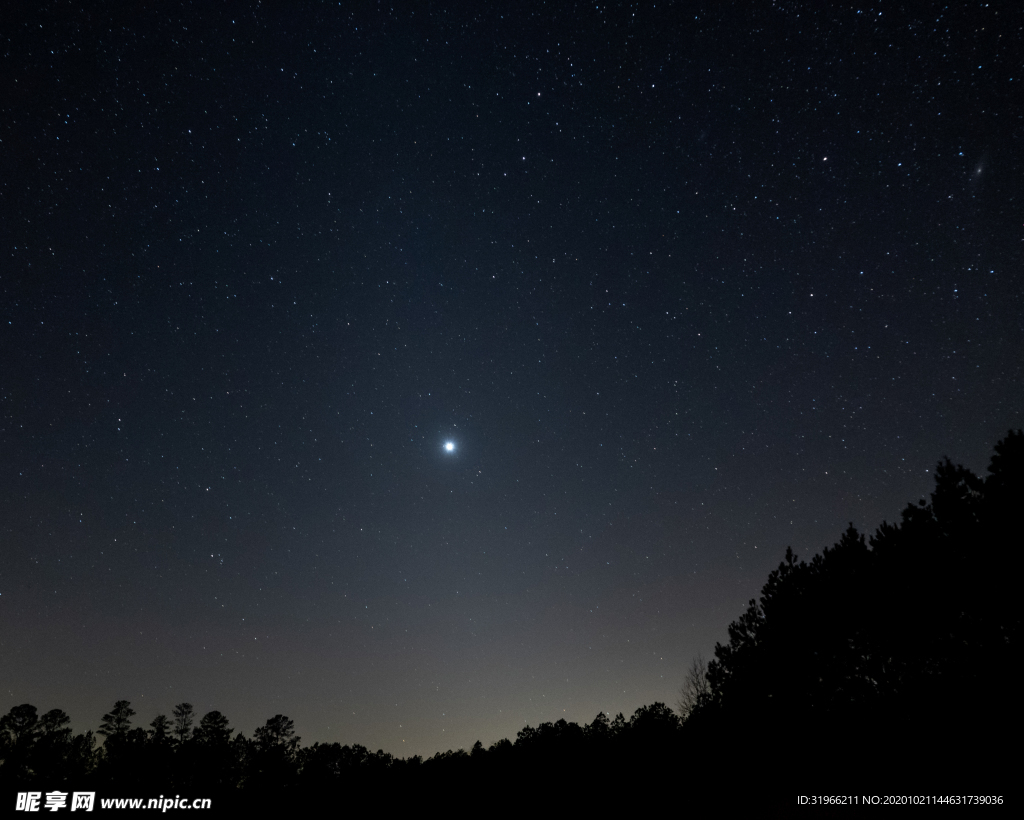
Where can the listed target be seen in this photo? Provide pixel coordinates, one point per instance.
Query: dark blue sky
(685, 284)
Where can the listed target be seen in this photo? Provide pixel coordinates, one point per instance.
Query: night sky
(682, 284)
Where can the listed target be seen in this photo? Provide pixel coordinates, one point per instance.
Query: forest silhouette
(880, 664)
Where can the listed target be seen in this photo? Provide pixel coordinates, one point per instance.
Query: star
(449, 446)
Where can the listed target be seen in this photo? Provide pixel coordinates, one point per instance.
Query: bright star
(449, 446)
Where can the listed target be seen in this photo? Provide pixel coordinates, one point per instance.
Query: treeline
(890, 662)
(179, 755)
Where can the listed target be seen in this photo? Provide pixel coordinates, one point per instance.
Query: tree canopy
(914, 633)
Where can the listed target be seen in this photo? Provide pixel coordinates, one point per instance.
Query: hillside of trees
(894, 659)
(882, 663)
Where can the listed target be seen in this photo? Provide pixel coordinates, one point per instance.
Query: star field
(424, 372)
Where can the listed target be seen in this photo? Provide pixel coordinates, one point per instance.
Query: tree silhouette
(278, 732)
(183, 718)
(18, 728)
(696, 689)
(118, 721)
(61, 757)
(125, 759)
(18, 731)
(270, 758)
(212, 761)
(214, 730)
(160, 730)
